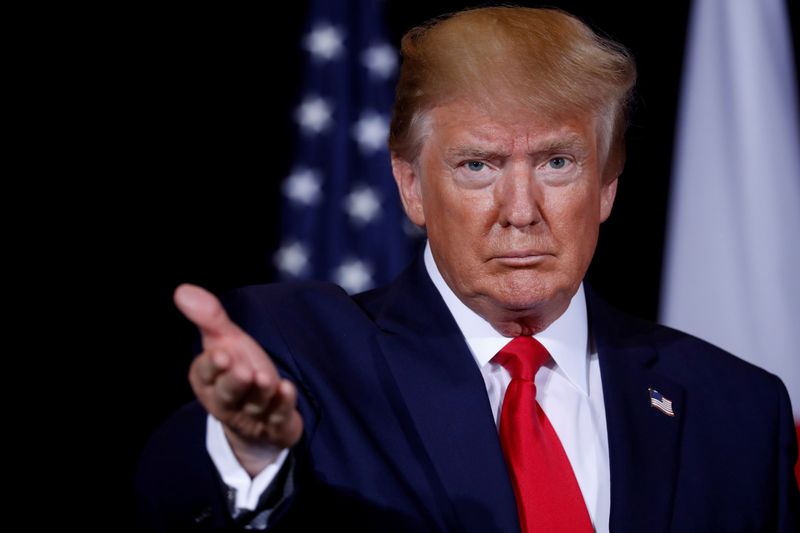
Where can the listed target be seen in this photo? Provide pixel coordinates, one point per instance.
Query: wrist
(254, 456)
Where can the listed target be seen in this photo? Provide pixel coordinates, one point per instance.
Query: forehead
(507, 129)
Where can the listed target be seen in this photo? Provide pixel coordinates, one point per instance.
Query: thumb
(204, 309)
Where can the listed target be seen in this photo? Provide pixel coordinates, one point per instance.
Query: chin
(531, 292)
(522, 303)
(515, 298)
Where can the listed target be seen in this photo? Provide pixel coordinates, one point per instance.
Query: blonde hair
(541, 59)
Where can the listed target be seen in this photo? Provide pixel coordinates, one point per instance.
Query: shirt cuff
(248, 490)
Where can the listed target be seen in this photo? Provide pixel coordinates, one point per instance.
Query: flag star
(362, 205)
(353, 276)
(292, 258)
(314, 115)
(303, 186)
(380, 60)
(325, 42)
(371, 132)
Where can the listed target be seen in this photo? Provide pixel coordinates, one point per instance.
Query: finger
(232, 385)
(260, 397)
(285, 424)
(208, 365)
(284, 403)
(204, 309)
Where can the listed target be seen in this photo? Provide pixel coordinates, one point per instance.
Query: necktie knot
(522, 357)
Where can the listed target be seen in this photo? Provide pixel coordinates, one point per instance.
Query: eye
(475, 166)
(557, 163)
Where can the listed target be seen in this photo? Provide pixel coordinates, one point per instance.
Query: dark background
(196, 128)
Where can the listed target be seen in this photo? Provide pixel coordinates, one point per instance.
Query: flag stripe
(732, 255)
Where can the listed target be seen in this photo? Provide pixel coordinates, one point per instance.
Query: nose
(518, 196)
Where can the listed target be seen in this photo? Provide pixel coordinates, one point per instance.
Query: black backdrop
(202, 103)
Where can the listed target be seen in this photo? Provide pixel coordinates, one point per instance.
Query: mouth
(522, 258)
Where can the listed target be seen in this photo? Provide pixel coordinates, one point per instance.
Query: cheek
(460, 213)
(575, 220)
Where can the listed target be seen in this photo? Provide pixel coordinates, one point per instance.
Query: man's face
(512, 207)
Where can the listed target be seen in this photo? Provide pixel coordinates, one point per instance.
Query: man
(381, 412)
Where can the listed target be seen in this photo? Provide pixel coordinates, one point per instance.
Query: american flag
(341, 217)
(660, 402)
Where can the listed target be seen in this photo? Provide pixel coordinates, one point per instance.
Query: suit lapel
(442, 391)
(644, 442)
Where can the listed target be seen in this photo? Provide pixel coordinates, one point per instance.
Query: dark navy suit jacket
(399, 435)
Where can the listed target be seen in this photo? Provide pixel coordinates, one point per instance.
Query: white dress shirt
(568, 389)
(248, 490)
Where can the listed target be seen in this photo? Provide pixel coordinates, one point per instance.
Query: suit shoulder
(250, 304)
(371, 301)
(283, 292)
(694, 352)
(680, 353)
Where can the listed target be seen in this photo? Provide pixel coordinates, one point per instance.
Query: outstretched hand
(236, 381)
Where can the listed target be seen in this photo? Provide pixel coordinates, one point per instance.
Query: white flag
(732, 262)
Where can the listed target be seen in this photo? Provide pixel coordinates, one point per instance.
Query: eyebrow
(466, 151)
(566, 143)
(572, 142)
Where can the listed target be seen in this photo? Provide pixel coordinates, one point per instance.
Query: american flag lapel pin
(660, 402)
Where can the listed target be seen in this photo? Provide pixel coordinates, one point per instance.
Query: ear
(410, 188)
(608, 191)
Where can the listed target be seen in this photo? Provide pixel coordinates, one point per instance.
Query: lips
(521, 253)
(522, 258)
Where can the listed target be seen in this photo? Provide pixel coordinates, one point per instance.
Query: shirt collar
(566, 338)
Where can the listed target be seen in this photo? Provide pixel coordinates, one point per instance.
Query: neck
(515, 323)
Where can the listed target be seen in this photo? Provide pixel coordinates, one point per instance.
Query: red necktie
(548, 496)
